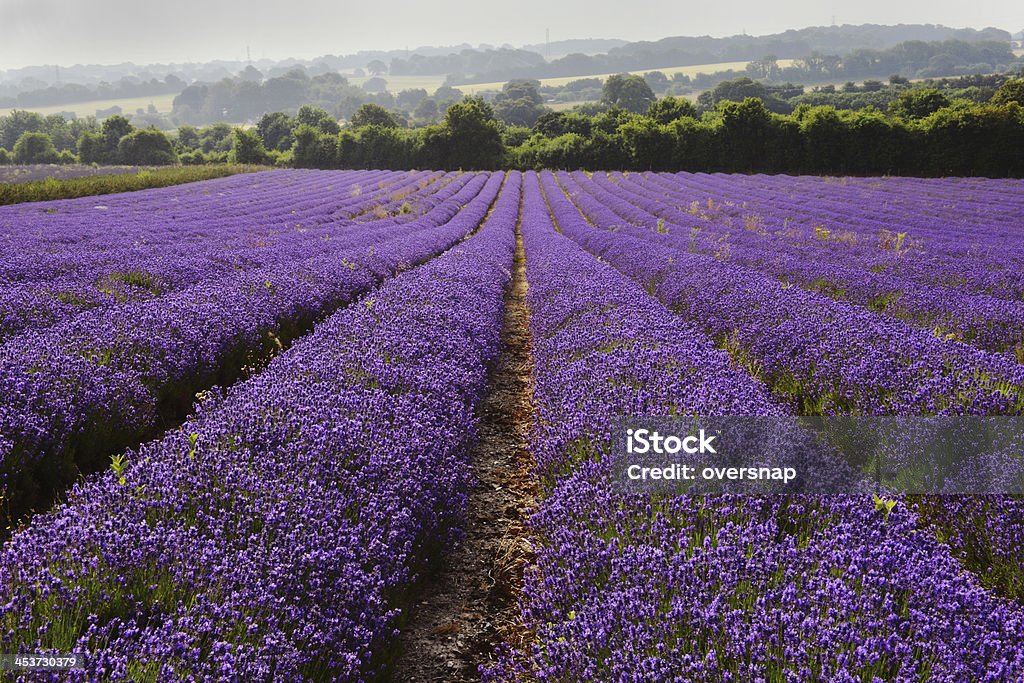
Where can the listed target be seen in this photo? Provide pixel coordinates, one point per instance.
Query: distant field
(432, 83)
(565, 106)
(82, 109)
(397, 83)
(690, 71)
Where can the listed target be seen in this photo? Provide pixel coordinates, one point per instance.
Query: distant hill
(838, 40)
(792, 44)
(582, 46)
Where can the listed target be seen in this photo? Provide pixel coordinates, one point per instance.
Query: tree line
(913, 59)
(922, 132)
(247, 96)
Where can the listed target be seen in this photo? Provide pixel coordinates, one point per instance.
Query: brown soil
(470, 607)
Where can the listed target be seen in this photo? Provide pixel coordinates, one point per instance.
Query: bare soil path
(470, 607)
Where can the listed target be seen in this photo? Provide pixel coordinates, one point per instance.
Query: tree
(91, 148)
(970, 139)
(35, 148)
(317, 118)
(146, 147)
(767, 67)
(824, 134)
(1011, 91)
(520, 89)
(657, 80)
(377, 67)
(314, 149)
(409, 99)
(628, 92)
(872, 142)
(371, 114)
(116, 127)
(550, 124)
(113, 129)
(513, 136)
(187, 139)
(350, 104)
(251, 73)
(381, 147)
(286, 91)
(445, 96)
(694, 148)
(469, 138)
(735, 90)
(669, 109)
(554, 124)
(426, 110)
(744, 134)
(375, 84)
(248, 148)
(216, 137)
(650, 144)
(564, 151)
(918, 103)
(275, 130)
(17, 123)
(519, 103)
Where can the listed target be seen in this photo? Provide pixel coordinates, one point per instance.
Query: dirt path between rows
(468, 609)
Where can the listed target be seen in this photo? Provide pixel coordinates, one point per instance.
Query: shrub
(35, 148)
(149, 147)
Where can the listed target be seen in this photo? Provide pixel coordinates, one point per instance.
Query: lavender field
(244, 425)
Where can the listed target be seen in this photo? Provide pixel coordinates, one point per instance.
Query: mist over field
(34, 32)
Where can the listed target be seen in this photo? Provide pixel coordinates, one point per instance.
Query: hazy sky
(111, 31)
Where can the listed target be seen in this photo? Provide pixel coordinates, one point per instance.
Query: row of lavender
(629, 587)
(63, 258)
(77, 391)
(275, 535)
(963, 281)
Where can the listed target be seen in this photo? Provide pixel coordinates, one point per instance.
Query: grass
(163, 104)
(50, 188)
